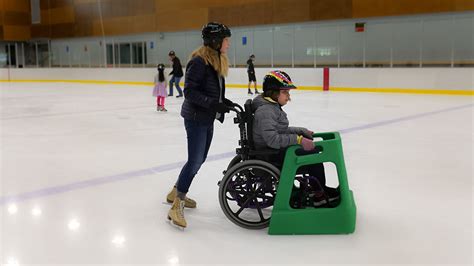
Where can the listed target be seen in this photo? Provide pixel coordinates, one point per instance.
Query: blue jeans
(175, 80)
(199, 140)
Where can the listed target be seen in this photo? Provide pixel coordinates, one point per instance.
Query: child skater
(271, 130)
(159, 91)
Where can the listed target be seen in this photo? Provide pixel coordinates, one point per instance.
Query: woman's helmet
(213, 34)
(277, 80)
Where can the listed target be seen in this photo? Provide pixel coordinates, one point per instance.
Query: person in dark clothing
(271, 130)
(177, 73)
(251, 74)
(204, 102)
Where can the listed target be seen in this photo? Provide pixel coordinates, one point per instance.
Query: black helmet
(160, 66)
(213, 33)
(277, 80)
(171, 53)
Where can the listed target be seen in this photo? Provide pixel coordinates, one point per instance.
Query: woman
(204, 101)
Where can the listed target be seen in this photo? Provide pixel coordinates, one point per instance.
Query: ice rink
(85, 170)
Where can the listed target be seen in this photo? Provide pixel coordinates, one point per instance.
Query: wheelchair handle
(236, 108)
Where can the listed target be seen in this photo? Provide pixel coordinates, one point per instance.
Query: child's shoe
(329, 195)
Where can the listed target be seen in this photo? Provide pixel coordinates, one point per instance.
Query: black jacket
(177, 68)
(250, 67)
(201, 91)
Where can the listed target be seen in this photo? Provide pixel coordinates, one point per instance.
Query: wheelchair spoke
(267, 197)
(240, 192)
(259, 209)
(243, 206)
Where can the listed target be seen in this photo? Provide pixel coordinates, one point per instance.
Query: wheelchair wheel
(237, 159)
(247, 193)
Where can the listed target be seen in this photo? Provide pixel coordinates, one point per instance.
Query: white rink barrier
(397, 80)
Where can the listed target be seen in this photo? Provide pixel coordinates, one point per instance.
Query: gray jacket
(271, 126)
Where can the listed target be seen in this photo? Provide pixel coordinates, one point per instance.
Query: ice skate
(189, 203)
(176, 213)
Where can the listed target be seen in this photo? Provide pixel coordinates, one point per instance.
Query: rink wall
(458, 81)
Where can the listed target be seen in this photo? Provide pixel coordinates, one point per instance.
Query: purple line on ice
(49, 191)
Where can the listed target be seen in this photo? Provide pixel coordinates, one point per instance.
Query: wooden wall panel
(16, 18)
(78, 18)
(182, 19)
(255, 13)
(45, 17)
(62, 15)
(463, 5)
(167, 5)
(144, 23)
(16, 5)
(39, 31)
(58, 3)
(83, 29)
(16, 33)
(124, 25)
(287, 11)
(78, 2)
(63, 30)
(86, 12)
(371, 8)
(330, 9)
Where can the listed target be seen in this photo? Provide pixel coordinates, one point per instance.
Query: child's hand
(307, 144)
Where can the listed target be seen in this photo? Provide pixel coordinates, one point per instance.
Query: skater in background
(159, 90)
(251, 74)
(177, 73)
(204, 102)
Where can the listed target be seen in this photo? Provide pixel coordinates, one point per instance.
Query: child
(271, 130)
(159, 91)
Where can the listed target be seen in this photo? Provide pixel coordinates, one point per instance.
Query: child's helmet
(171, 53)
(213, 33)
(277, 80)
(160, 66)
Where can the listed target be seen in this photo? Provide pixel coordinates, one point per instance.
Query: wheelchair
(248, 189)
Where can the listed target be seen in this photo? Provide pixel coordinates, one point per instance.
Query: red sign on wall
(360, 26)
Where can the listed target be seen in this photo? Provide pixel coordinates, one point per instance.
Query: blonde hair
(211, 57)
